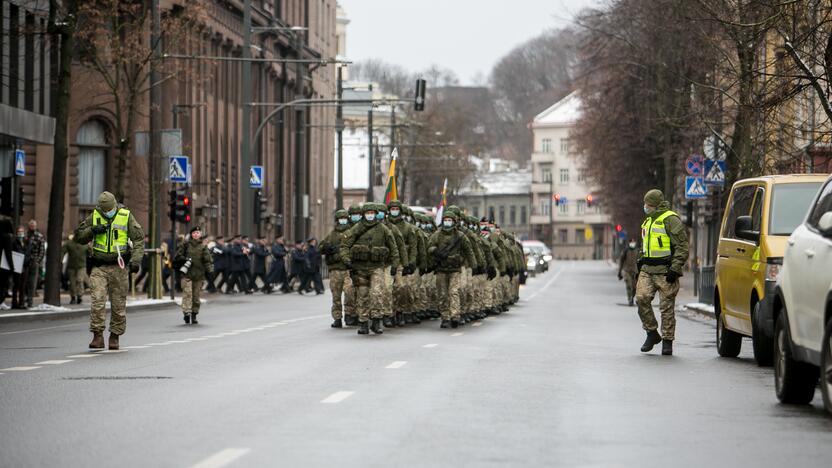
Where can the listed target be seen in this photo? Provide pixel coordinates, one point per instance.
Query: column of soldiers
(390, 267)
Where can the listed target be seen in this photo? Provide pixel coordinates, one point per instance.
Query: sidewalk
(688, 298)
(41, 311)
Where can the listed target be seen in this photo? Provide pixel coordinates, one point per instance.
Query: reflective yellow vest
(654, 239)
(115, 239)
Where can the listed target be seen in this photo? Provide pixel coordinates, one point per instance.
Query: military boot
(187, 318)
(445, 324)
(97, 340)
(113, 344)
(78, 300)
(454, 322)
(336, 323)
(364, 328)
(653, 338)
(377, 326)
(193, 318)
(388, 322)
(667, 347)
(350, 320)
(414, 318)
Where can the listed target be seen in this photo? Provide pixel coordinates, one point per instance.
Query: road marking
(20, 368)
(113, 351)
(222, 458)
(208, 337)
(82, 355)
(396, 365)
(158, 344)
(545, 286)
(457, 334)
(196, 339)
(37, 329)
(430, 345)
(337, 397)
(53, 362)
(478, 324)
(179, 341)
(137, 347)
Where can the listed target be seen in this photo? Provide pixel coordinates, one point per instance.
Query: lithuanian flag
(392, 193)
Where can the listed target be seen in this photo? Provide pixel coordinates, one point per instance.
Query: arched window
(92, 142)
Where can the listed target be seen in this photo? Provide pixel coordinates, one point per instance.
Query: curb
(700, 309)
(30, 316)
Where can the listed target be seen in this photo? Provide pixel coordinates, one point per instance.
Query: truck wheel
(763, 345)
(794, 381)
(826, 368)
(728, 343)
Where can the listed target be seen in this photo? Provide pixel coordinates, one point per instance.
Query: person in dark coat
(277, 272)
(260, 254)
(298, 258)
(7, 241)
(220, 253)
(247, 248)
(312, 268)
(18, 279)
(237, 266)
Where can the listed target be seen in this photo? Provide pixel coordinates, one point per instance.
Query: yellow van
(760, 216)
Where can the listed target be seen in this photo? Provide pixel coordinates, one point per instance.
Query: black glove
(99, 228)
(392, 271)
(672, 277)
(134, 267)
(620, 277)
(422, 272)
(348, 265)
(640, 263)
(409, 270)
(492, 272)
(479, 270)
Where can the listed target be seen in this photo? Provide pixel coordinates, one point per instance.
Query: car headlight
(773, 266)
(547, 258)
(530, 264)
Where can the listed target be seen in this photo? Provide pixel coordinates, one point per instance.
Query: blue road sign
(255, 177)
(693, 165)
(19, 163)
(695, 188)
(714, 172)
(178, 169)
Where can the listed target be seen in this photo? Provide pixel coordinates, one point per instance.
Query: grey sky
(467, 36)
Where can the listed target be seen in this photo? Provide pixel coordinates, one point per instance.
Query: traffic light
(259, 207)
(172, 205)
(556, 198)
(589, 201)
(619, 228)
(180, 206)
(419, 99)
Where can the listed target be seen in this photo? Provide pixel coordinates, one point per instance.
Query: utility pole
(551, 211)
(393, 140)
(155, 160)
(246, 195)
(370, 169)
(339, 125)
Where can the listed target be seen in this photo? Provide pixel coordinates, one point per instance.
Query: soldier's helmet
(453, 209)
(341, 214)
(381, 207)
(406, 210)
(369, 207)
(355, 209)
(450, 214)
(393, 203)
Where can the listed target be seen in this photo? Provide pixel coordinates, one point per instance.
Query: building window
(563, 209)
(523, 215)
(580, 236)
(564, 145)
(564, 176)
(563, 236)
(502, 215)
(92, 143)
(512, 215)
(546, 173)
(544, 207)
(581, 175)
(6, 161)
(476, 211)
(546, 145)
(580, 207)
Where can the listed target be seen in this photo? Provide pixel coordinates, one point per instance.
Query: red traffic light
(556, 198)
(618, 228)
(186, 201)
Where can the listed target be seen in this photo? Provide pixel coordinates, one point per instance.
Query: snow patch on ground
(48, 308)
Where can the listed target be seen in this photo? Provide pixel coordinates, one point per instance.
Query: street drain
(127, 377)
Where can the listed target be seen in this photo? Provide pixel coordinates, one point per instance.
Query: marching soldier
(194, 262)
(628, 270)
(340, 282)
(450, 252)
(403, 286)
(664, 253)
(393, 282)
(367, 250)
(117, 244)
(76, 268)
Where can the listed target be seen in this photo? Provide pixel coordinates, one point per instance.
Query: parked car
(803, 309)
(539, 250)
(760, 216)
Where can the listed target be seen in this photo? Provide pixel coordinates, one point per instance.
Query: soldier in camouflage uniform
(664, 253)
(393, 282)
(366, 250)
(115, 236)
(355, 214)
(340, 282)
(420, 280)
(450, 252)
(496, 265)
(403, 291)
(194, 261)
(628, 270)
(76, 267)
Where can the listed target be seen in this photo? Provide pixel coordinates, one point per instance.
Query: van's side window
(741, 202)
(823, 205)
(757, 209)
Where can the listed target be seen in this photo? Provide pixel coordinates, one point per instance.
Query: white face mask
(632, 245)
(394, 212)
(342, 221)
(369, 216)
(447, 223)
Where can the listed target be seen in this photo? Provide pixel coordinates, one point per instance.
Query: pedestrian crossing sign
(695, 188)
(714, 172)
(256, 177)
(19, 163)
(178, 171)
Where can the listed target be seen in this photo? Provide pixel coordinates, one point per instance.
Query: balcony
(543, 157)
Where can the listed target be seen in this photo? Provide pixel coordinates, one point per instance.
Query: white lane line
(158, 344)
(430, 345)
(196, 339)
(396, 365)
(179, 341)
(82, 355)
(545, 286)
(222, 458)
(37, 329)
(114, 351)
(337, 397)
(137, 347)
(457, 334)
(53, 362)
(208, 337)
(20, 368)
(477, 324)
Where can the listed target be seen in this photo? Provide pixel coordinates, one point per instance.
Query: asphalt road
(264, 381)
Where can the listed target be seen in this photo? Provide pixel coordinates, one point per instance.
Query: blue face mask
(355, 218)
(111, 213)
(379, 216)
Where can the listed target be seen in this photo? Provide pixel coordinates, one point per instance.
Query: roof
(563, 113)
(499, 183)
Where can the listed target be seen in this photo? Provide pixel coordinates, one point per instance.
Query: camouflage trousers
(371, 292)
(402, 292)
(630, 280)
(478, 296)
(389, 283)
(340, 284)
(430, 294)
(448, 286)
(76, 281)
(190, 295)
(646, 290)
(108, 282)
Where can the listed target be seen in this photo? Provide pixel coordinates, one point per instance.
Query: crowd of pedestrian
(22, 253)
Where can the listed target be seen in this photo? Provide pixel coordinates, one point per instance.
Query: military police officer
(117, 243)
(194, 262)
(663, 255)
